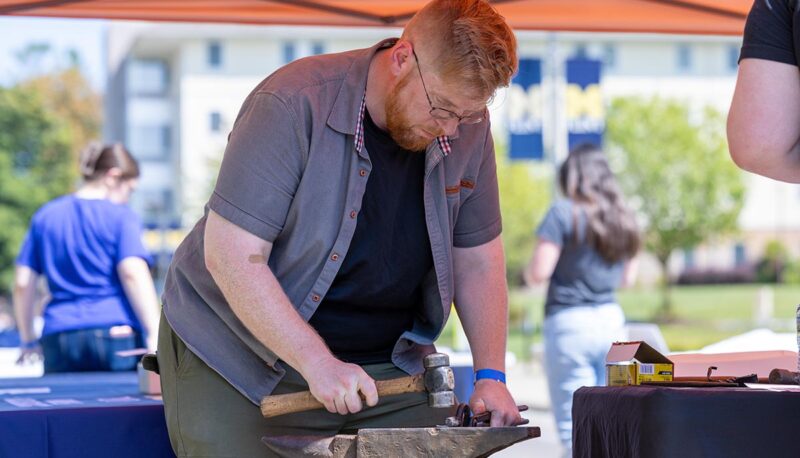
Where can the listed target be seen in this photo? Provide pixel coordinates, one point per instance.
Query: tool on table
(710, 381)
(131, 352)
(784, 377)
(148, 374)
(465, 418)
(150, 362)
(437, 380)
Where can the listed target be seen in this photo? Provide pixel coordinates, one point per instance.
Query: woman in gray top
(586, 248)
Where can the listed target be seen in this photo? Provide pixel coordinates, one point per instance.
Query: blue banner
(584, 103)
(524, 103)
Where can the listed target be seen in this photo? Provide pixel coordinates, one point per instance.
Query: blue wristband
(490, 374)
(29, 345)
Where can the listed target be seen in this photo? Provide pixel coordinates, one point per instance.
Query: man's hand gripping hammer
(437, 380)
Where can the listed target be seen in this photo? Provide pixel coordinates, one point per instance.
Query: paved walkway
(528, 385)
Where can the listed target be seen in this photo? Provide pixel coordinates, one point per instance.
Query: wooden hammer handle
(281, 404)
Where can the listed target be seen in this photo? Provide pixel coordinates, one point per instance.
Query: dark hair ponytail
(611, 227)
(97, 159)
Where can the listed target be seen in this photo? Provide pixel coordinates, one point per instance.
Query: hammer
(437, 380)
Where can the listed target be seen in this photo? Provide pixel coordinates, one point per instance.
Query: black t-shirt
(770, 32)
(377, 291)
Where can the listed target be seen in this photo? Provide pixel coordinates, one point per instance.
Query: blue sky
(83, 35)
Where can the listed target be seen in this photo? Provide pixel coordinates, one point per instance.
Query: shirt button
(362, 172)
(315, 298)
(334, 257)
(353, 214)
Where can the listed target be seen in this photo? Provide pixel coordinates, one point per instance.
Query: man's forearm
(237, 260)
(482, 303)
(269, 315)
(485, 324)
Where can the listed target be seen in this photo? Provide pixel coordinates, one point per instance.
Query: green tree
(674, 163)
(35, 166)
(45, 120)
(66, 94)
(771, 267)
(525, 193)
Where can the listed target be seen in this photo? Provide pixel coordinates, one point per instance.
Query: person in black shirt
(764, 119)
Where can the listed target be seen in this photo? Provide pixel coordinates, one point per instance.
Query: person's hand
(493, 396)
(337, 385)
(29, 354)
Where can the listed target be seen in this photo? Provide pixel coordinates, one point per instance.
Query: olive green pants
(207, 417)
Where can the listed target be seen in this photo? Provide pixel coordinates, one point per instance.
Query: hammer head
(439, 380)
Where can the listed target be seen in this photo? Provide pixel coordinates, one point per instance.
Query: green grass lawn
(708, 314)
(701, 315)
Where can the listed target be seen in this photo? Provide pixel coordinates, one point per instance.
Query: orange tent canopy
(724, 17)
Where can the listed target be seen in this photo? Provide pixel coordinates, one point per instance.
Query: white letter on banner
(524, 109)
(584, 102)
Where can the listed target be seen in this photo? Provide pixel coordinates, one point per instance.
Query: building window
(317, 47)
(214, 54)
(609, 56)
(581, 51)
(733, 58)
(684, 58)
(215, 122)
(739, 255)
(289, 52)
(157, 207)
(688, 259)
(166, 139)
(148, 77)
(151, 142)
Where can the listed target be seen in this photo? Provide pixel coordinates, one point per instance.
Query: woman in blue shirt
(586, 247)
(88, 246)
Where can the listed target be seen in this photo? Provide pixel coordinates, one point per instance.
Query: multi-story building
(174, 91)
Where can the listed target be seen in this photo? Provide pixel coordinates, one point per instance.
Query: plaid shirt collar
(443, 141)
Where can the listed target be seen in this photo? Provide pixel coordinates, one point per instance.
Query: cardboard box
(631, 363)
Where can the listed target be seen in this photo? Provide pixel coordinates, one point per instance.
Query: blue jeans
(576, 341)
(89, 350)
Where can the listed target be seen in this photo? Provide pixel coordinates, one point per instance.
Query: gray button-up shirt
(294, 174)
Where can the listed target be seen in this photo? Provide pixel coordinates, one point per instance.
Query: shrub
(741, 274)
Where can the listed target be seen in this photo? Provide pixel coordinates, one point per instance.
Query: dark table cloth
(82, 415)
(641, 421)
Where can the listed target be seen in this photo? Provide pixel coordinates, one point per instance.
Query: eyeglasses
(444, 114)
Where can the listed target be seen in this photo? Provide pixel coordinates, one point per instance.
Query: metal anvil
(437, 442)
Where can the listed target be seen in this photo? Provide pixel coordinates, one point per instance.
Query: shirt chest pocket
(460, 190)
(457, 194)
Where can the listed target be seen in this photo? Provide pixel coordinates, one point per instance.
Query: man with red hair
(357, 200)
